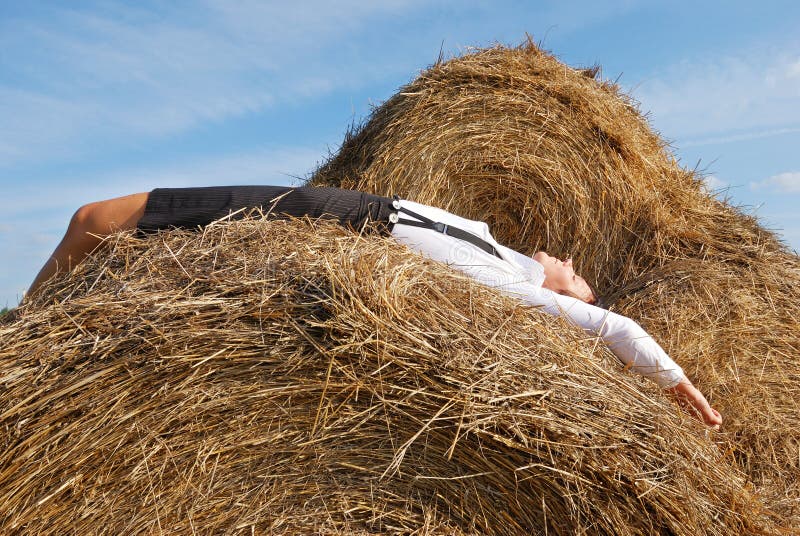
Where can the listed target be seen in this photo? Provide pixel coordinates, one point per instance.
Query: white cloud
(717, 99)
(34, 217)
(744, 136)
(282, 165)
(782, 182)
(268, 166)
(713, 183)
(115, 72)
(82, 78)
(794, 70)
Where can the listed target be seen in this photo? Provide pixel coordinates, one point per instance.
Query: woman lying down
(466, 245)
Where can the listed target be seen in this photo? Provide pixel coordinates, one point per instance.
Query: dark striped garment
(197, 207)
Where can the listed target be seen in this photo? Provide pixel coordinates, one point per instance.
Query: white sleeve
(520, 276)
(624, 337)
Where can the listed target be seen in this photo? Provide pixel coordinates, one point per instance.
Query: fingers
(691, 398)
(712, 417)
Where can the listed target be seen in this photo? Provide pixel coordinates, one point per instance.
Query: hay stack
(553, 158)
(285, 377)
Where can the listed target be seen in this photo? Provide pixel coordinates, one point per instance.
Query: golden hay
(554, 159)
(287, 377)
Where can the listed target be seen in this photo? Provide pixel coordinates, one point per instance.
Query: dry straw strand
(230, 381)
(556, 158)
(291, 377)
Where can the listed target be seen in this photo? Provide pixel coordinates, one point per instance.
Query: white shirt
(520, 276)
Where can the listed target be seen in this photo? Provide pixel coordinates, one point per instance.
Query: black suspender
(449, 230)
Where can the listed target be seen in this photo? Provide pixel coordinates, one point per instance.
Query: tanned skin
(88, 226)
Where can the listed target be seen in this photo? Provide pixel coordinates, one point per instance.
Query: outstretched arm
(624, 337)
(628, 341)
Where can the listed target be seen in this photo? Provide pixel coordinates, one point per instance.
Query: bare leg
(99, 218)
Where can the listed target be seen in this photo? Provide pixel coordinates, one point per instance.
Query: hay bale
(555, 159)
(286, 377)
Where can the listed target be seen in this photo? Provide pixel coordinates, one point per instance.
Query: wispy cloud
(113, 72)
(34, 218)
(78, 77)
(788, 182)
(731, 98)
(742, 136)
(714, 183)
(281, 165)
(284, 165)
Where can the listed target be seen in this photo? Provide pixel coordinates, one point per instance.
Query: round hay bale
(555, 159)
(290, 377)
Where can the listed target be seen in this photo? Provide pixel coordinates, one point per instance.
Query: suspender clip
(427, 223)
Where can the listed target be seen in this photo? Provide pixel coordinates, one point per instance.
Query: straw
(293, 377)
(555, 158)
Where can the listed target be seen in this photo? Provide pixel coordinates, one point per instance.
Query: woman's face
(561, 278)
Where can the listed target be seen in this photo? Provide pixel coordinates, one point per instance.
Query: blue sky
(101, 99)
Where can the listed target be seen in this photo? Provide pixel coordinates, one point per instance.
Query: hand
(688, 395)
